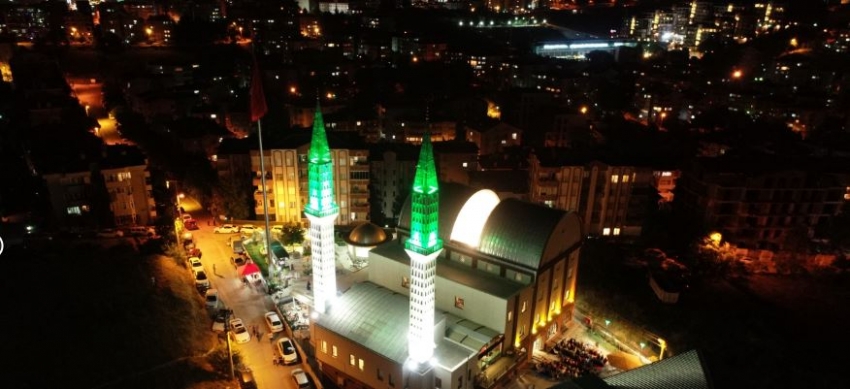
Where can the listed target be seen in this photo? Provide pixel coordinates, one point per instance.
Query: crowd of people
(574, 359)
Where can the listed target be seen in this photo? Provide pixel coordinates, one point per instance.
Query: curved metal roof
(452, 199)
(520, 232)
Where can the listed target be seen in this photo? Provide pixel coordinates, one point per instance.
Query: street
(246, 303)
(89, 94)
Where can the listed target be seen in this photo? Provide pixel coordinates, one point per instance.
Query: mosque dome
(367, 235)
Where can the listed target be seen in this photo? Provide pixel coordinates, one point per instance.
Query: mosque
(471, 282)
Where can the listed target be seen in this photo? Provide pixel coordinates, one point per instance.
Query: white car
(273, 322)
(201, 279)
(226, 229)
(277, 230)
(196, 264)
(287, 350)
(247, 229)
(211, 298)
(240, 333)
(300, 378)
(110, 233)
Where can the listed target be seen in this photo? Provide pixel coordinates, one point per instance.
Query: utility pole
(229, 349)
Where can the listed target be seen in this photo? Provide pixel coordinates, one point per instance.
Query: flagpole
(269, 254)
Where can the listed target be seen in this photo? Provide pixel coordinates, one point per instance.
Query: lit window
(524, 305)
(606, 231)
(615, 178)
(361, 364)
(74, 210)
(510, 315)
(616, 231)
(465, 164)
(458, 302)
(625, 178)
(351, 359)
(405, 282)
(325, 347)
(335, 354)
(513, 136)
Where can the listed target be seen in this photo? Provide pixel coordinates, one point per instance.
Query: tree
(292, 233)
(232, 199)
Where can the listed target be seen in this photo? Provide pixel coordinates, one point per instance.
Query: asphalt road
(247, 304)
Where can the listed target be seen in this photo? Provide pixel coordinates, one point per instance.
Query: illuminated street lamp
(583, 109)
(149, 31)
(716, 237)
(737, 74)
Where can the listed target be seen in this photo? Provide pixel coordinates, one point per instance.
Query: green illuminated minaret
(321, 210)
(423, 247)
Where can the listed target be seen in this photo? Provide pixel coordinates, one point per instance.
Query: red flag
(258, 99)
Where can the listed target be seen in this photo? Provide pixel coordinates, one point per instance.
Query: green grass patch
(253, 250)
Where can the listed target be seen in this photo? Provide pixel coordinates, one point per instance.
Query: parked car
(226, 229)
(201, 279)
(240, 333)
(195, 264)
(246, 379)
(211, 298)
(247, 229)
(300, 378)
(238, 247)
(141, 231)
(273, 322)
(194, 252)
(287, 350)
(238, 261)
(219, 320)
(110, 233)
(191, 225)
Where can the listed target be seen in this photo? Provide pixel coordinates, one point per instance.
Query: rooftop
(462, 274)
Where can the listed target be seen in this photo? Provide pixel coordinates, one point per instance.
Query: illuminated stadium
(570, 44)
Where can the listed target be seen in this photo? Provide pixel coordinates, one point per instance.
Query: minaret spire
(423, 247)
(321, 210)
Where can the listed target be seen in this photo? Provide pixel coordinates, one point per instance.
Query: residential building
(455, 159)
(612, 198)
(392, 168)
(494, 139)
(286, 162)
(119, 177)
(763, 202)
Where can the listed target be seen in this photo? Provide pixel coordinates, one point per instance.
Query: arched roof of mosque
(520, 232)
(367, 235)
(526, 233)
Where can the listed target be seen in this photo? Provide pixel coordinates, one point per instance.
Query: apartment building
(612, 199)
(760, 202)
(114, 190)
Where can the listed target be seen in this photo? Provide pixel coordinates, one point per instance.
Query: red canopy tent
(250, 268)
